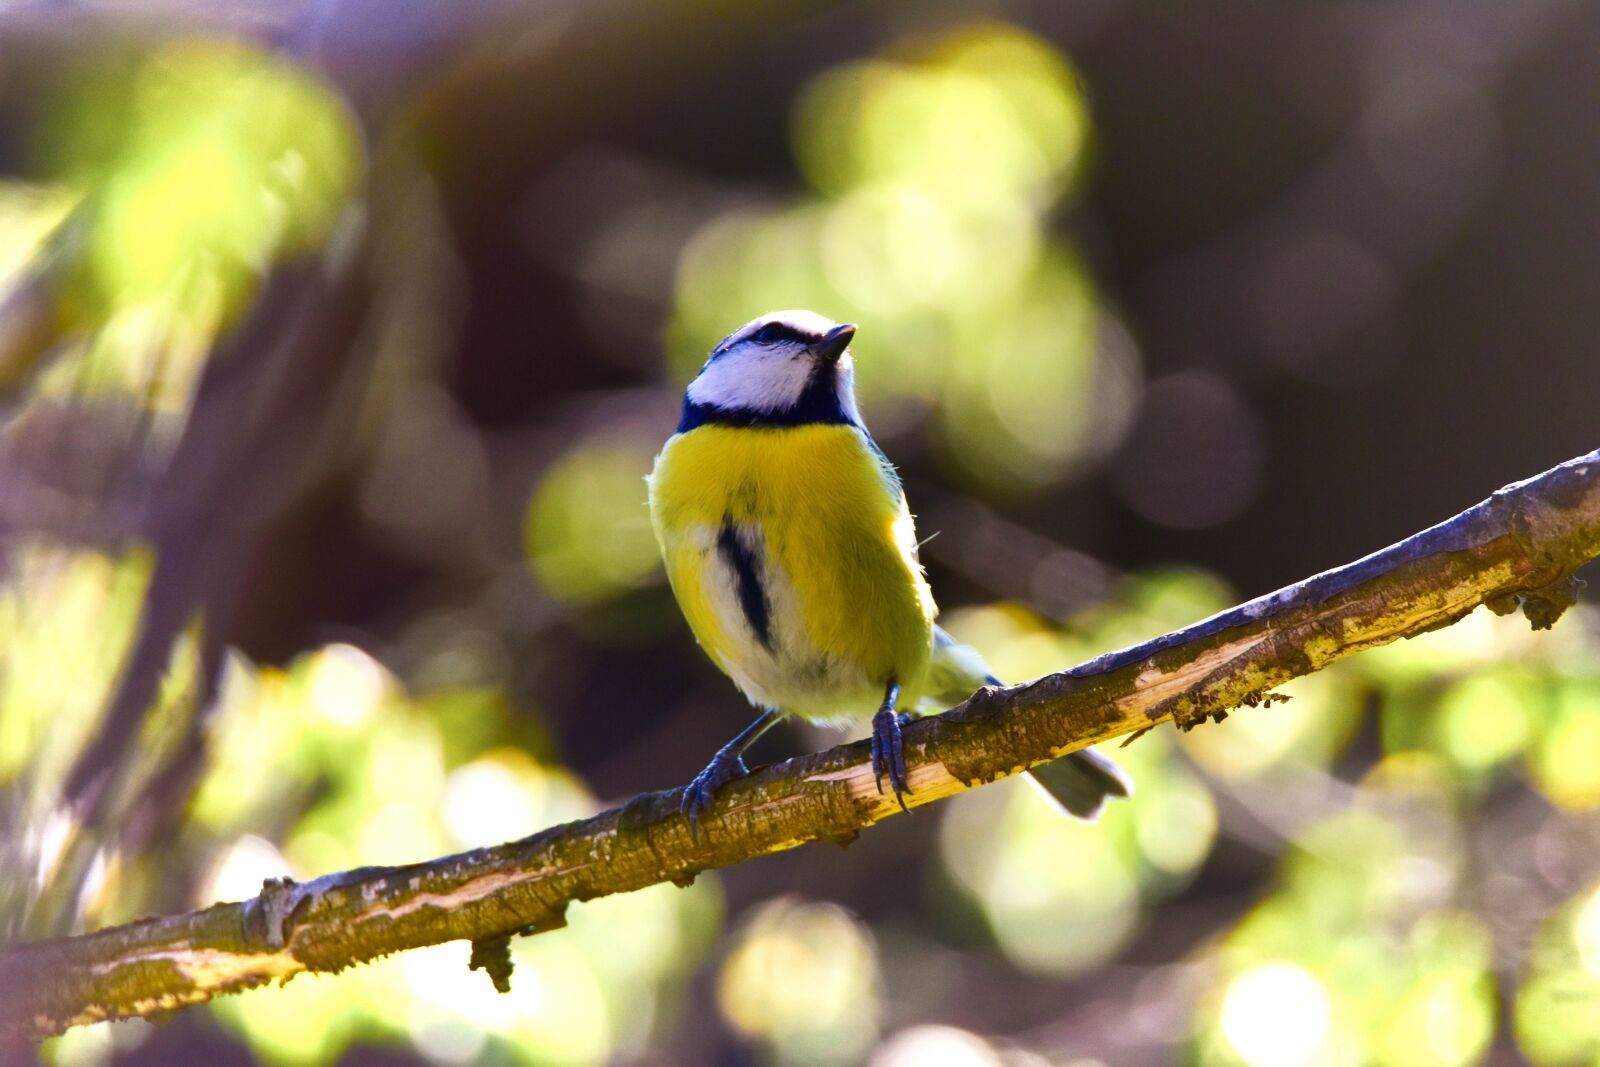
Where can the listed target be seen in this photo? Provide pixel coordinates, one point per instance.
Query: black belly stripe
(752, 594)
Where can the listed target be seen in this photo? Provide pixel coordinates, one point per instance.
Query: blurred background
(337, 336)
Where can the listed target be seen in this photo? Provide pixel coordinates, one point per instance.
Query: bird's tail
(1079, 782)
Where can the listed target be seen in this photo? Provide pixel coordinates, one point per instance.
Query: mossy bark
(1518, 548)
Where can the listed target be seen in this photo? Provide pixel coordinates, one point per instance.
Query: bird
(792, 552)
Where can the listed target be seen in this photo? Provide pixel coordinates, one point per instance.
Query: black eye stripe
(771, 333)
(777, 332)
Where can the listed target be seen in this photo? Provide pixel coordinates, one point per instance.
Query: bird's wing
(891, 477)
(956, 671)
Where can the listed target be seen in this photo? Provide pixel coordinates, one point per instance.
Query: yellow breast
(835, 549)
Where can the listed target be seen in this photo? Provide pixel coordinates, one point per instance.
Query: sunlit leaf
(803, 977)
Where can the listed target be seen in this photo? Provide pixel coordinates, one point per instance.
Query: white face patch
(752, 377)
(769, 377)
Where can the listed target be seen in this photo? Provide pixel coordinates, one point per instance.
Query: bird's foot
(889, 753)
(725, 766)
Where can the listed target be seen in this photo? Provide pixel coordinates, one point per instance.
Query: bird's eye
(770, 334)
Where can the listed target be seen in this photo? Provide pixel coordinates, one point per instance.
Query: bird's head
(787, 368)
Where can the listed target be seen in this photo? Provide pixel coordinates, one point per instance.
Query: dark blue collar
(819, 404)
(801, 414)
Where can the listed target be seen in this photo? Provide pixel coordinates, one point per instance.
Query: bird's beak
(835, 341)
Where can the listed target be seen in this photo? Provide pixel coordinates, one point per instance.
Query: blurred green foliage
(191, 167)
(804, 979)
(1358, 957)
(54, 684)
(1003, 845)
(1555, 1018)
(587, 531)
(203, 160)
(935, 169)
(330, 765)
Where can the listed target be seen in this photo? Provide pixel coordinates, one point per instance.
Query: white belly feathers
(765, 647)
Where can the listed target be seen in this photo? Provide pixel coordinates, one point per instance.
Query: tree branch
(1518, 548)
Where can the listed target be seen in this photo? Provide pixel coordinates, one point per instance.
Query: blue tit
(793, 555)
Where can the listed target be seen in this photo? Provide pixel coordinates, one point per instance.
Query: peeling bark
(1516, 549)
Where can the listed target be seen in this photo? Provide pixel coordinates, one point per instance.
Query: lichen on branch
(1517, 549)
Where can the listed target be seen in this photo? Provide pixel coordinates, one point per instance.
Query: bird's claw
(698, 794)
(889, 753)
